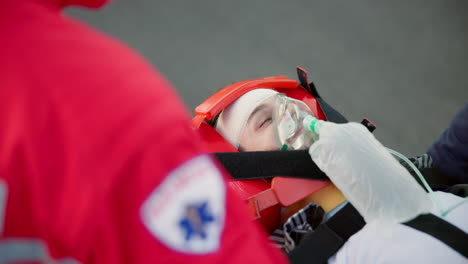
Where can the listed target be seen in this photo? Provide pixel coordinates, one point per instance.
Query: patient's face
(259, 134)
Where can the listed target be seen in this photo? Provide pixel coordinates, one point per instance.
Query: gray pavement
(402, 64)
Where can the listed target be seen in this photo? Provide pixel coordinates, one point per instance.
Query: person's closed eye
(265, 122)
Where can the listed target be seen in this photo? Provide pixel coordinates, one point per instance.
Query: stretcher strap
(330, 236)
(330, 113)
(438, 228)
(268, 164)
(298, 164)
(261, 201)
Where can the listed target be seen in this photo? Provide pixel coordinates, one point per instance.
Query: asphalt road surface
(402, 64)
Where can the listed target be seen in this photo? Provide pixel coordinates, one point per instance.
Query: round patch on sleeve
(186, 211)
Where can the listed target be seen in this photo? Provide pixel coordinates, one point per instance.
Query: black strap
(296, 164)
(445, 232)
(331, 113)
(329, 237)
(304, 81)
(268, 164)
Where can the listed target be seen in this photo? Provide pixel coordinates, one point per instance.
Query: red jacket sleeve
(97, 162)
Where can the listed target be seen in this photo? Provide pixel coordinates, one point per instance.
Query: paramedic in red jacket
(97, 162)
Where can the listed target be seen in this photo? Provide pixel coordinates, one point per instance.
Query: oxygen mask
(295, 124)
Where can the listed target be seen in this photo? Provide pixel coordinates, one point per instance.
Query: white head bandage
(232, 120)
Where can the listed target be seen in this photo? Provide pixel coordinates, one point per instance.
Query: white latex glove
(367, 174)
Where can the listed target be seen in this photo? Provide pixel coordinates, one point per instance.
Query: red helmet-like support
(264, 197)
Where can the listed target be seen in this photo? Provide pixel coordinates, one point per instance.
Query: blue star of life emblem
(195, 220)
(181, 214)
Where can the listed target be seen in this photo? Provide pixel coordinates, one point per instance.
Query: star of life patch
(186, 212)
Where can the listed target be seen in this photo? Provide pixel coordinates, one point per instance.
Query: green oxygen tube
(312, 124)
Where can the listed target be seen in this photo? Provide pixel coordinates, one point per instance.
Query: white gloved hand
(367, 174)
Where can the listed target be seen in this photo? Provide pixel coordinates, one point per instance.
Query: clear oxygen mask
(294, 124)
